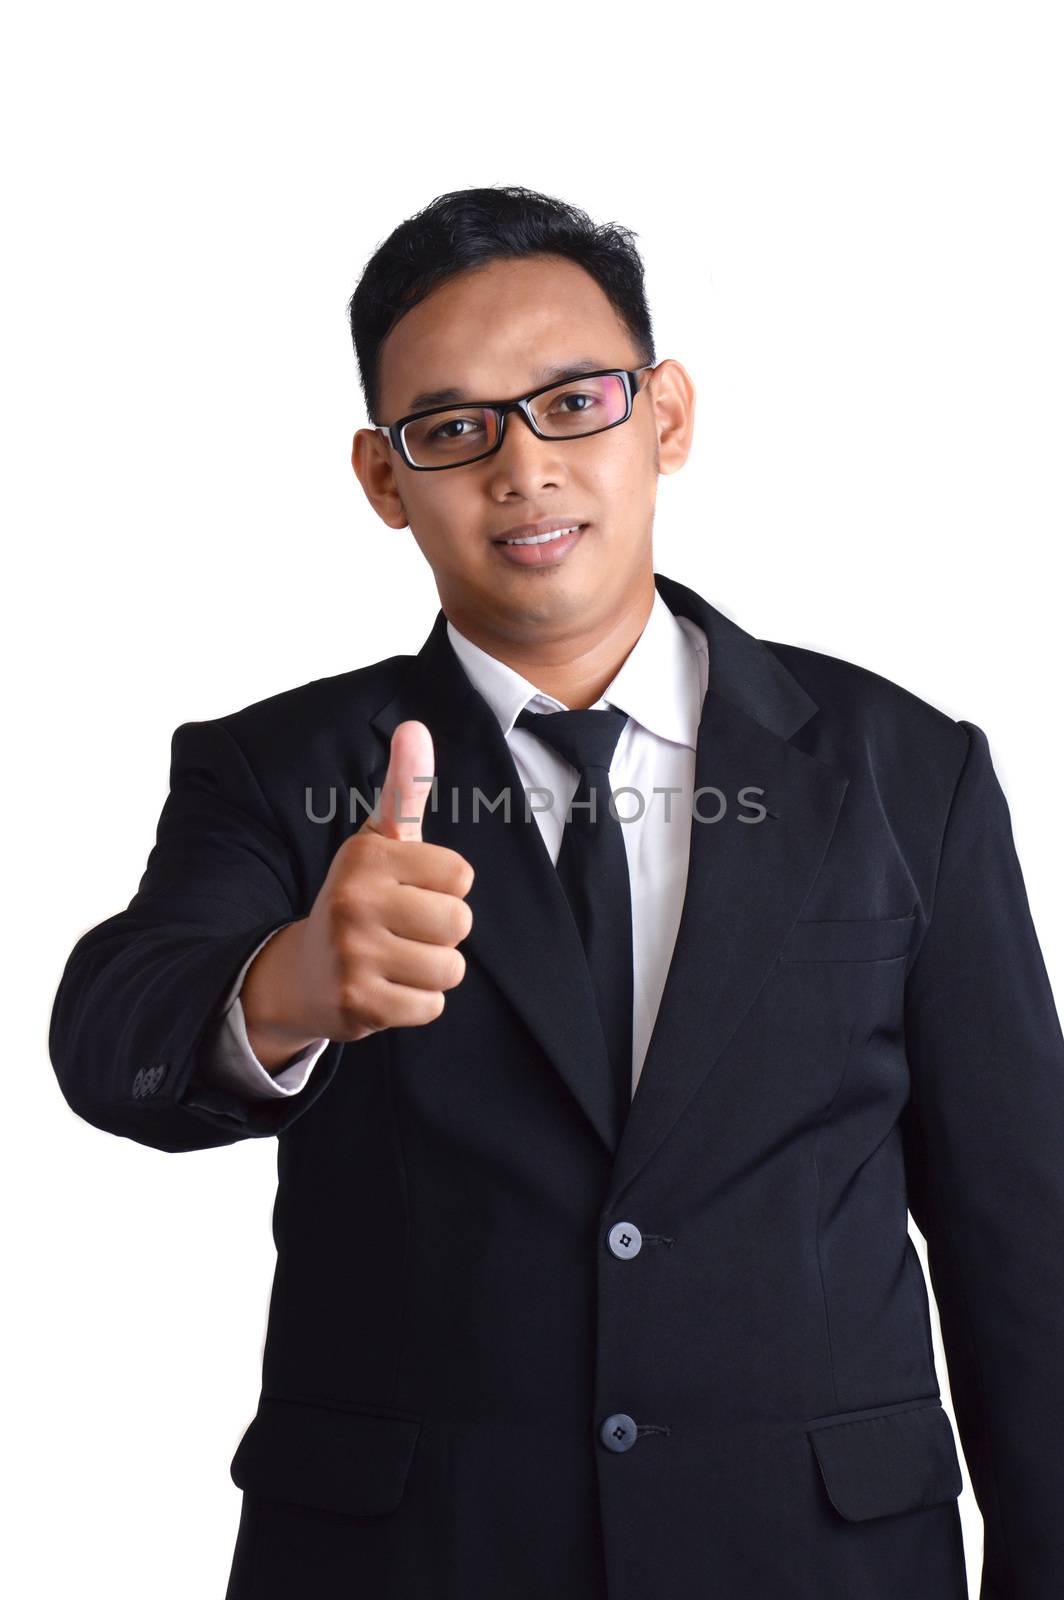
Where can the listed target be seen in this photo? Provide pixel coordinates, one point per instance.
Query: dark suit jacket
(475, 1384)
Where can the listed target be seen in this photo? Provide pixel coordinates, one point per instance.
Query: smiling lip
(528, 530)
(545, 552)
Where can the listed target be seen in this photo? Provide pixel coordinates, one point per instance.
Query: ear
(672, 395)
(372, 459)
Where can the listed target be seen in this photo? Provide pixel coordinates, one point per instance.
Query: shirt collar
(659, 683)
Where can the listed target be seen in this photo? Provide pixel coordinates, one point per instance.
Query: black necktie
(593, 867)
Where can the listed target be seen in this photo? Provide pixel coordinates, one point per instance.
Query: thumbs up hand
(378, 947)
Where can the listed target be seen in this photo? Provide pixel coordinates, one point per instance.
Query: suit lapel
(523, 932)
(746, 882)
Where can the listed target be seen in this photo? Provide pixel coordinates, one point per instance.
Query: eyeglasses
(454, 436)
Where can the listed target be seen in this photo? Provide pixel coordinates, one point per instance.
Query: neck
(574, 669)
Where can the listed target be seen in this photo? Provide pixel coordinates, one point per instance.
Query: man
(597, 1136)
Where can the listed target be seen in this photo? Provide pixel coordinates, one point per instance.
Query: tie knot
(584, 738)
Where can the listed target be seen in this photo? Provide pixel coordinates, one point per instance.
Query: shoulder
(910, 762)
(855, 697)
(881, 732)
(323, 721)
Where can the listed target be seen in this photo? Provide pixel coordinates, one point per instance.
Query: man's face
(490, 333)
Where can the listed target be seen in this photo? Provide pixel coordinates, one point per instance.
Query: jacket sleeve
(984, 1140)
(142, 994)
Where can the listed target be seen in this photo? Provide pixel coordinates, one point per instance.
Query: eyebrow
(545, 375)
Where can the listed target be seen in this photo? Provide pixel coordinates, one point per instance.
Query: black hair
(467, 228)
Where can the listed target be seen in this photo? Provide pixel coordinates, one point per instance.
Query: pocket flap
(897, 1459)
(336, 1460)
(855, 939)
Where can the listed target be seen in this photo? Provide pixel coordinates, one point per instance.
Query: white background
(850, 217)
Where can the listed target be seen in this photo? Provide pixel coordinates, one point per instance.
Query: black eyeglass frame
(393, 431)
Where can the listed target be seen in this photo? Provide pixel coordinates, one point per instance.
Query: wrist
(275, 1028)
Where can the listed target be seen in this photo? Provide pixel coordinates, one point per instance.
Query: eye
(440, 431)
(575, 395)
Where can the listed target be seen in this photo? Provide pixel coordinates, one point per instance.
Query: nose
(523, 458)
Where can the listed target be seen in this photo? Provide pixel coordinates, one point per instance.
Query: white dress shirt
(661, 685)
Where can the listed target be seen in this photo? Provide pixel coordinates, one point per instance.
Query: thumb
(407, 783)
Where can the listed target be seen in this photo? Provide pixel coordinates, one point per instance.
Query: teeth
(543, 538)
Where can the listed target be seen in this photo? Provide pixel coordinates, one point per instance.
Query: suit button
(625, 1240)
(618, 1432)
(148, 1080)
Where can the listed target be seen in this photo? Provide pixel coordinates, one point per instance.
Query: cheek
(620, 477)
(445, 526)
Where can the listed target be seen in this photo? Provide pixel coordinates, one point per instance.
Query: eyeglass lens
(568, 411)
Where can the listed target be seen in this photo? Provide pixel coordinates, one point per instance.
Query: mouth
(541, 549)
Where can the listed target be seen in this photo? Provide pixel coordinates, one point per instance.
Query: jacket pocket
(896, 1458)
(322, 1456)
(858, 939)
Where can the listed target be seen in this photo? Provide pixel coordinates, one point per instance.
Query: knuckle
(342, 905)
(348, 995)
(353, 958)
(374, 1015)
(356, 1007)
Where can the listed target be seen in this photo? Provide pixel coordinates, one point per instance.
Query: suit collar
(745, 886)
(743, 670)
(660, 683)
